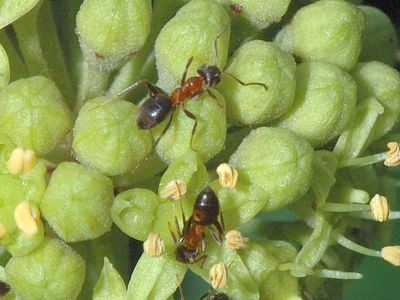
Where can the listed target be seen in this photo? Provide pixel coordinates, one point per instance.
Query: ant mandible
(205, 214)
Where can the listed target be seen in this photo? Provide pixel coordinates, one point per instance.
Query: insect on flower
(191, 242)
(214, 295)
(159, 105)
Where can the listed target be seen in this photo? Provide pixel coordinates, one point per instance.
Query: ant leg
(216, 234)
(203, 243)
(153, 89)
(222, 224)
(172, 233)
(215, 97)
(144, 159)
(246, 83)
(203, 257)
(193, 117)
(186, 70)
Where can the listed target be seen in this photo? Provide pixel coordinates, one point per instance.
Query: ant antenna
(216, 43)
(246, 83)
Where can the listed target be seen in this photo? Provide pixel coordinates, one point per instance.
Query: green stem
(362, 161)
(344, 207)
(337, 274)
(93, 82)
(345, 242)
(29, 43)
(53, 53)
(18, 68)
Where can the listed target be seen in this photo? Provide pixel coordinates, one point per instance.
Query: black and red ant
(191, 242)
(155, 109)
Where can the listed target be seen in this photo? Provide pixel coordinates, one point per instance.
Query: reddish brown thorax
(190, 88)
(195, 235)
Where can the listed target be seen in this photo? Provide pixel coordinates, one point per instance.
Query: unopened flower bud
(154, 245)
(235, 240)
(218, 275)
(174, 189)
(379, 208)
(21, 161)
(26, 218)
(393, 156)
(391, 254)
(227, 175)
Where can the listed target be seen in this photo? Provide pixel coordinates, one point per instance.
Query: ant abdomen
(153, 111)
(206, 207)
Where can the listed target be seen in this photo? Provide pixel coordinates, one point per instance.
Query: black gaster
(206, 207)
(153, 111)
(210, 73)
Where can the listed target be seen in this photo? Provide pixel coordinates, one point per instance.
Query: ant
(205, 214)
(214, 295)
(155, 109)
(4, 288)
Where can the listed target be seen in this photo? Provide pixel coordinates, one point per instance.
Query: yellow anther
(174, 189)
(391, 254)
(15, 163)
(21, 161)
(29, 160)
(26, 218)
(235, 240)
(218, 275)
(379, 208)
(393, 156)
(227, 175)
(154, 245)
(3, 230)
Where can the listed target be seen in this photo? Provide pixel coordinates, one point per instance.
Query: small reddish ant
(214, 295)
(205, 214)
(155, 109)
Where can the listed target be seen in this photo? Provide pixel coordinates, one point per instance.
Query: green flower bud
(155, 277)
(379, 41)
(262, 13)
(240, 282)
(277, 161)
(324, 103)
(192, 33)
(191, 170)
(77, 202)
(111, 30)
(53, 271)
(284, 39)
(241, 203)
(11, 10)
(259, 62)
(354, 140)
(107, 138)
(209, 136)
(263, 261)
(382, 82)
(34, 115)
(328, 30)
(4, 68)
(135, 212)
(110, 285)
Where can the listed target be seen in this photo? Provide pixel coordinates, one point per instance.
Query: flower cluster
(289, 130)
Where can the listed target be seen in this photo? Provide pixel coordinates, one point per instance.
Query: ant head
(210, 73)
(185, 255)
(214, 295)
